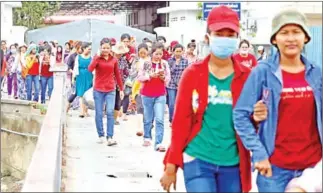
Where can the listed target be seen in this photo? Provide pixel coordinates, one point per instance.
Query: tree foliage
(33, 13)
(200, 12)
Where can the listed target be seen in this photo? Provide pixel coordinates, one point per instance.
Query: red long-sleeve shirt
(105, 71)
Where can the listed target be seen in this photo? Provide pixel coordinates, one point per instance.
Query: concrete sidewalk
(123, 168)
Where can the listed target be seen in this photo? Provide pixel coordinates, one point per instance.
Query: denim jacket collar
(274, 64)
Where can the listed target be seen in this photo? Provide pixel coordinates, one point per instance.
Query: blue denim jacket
(267, 76)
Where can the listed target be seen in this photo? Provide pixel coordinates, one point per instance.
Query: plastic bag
(88, 99)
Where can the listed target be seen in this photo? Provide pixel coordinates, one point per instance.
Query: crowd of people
(223, 106)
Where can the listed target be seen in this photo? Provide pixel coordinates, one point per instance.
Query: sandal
(161, 149)
(81, 116)
(146, 143)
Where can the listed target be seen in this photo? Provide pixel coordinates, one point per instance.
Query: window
(173, 19)
(135, 18)
(167, 19)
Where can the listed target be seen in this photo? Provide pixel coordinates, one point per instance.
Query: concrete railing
(44, 172)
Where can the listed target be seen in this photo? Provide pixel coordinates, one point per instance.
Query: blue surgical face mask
(223, 47)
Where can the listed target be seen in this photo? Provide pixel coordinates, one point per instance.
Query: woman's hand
(121, 95)
(260, 111)
(169, 177)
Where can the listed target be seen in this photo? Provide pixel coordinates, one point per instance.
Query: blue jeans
(108, 99)
(30, 81)
(172, 93)
(278, 181)
(46, 81)
(201, 176)
(154, 107)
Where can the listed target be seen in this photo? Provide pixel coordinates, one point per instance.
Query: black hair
(156, 46)
(16, 45)
(244, 42)
(178, 46)
(192, 44)
(45, 42)
(4, 41)
(147, 41)
(48, 48)
(32, 42)
(161, 38)
(85, 45)
(60, 47)
(142, 45)
(193, 41)
(12, 45)
(124, 36)
(105, 41)
(69, 45)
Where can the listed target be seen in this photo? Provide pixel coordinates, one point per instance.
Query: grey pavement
(123, 168)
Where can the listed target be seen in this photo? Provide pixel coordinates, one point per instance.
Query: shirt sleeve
(93, 64)
(143, 74)
(117, 75)
(76, 67)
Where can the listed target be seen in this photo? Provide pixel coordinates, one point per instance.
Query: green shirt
(216, 142)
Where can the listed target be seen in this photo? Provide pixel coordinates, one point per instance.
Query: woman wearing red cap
(204, 143)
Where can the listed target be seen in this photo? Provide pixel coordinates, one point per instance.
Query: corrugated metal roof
(313, 49)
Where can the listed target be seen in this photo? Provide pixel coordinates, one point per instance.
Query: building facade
(9, 32)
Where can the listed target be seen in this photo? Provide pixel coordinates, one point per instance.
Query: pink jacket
(145, 70)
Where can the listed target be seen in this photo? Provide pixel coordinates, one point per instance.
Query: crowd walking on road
(230, 112)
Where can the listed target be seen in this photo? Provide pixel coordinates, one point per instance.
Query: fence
(44, 172)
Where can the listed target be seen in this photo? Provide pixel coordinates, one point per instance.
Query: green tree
(33, 13)
(200, 11)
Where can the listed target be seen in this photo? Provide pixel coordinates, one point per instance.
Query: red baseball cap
(173, 43)
(113, 41)
(223, 17)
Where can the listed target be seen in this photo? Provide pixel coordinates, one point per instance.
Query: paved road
(88, 164)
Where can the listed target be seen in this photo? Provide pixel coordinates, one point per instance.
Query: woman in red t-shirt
(244, 57)
(46, 77)
(154, 76)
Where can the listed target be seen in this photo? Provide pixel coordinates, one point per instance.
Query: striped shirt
(176, 71)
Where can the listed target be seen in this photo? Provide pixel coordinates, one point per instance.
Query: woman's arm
(243, 124)
(93, 64)
(76, 68)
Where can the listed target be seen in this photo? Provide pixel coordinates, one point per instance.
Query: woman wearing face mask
(83, 76)
(20, 65)
(12, 72)
(143, 50)
(244, 57)
(107, 75)
(204, 143)
(290, 140)
(154, 77)
(32, 78)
